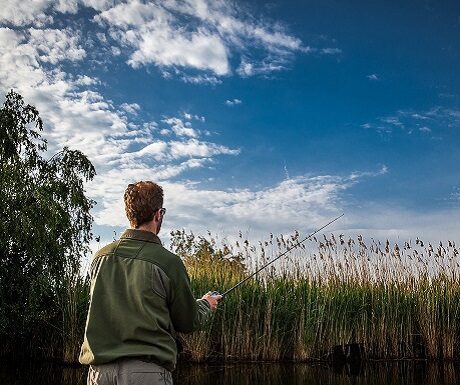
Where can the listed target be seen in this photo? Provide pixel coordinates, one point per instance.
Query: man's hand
(212, 299)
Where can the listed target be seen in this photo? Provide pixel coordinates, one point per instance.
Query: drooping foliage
(45, 221)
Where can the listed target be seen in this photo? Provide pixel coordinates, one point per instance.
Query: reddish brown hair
(142, 199)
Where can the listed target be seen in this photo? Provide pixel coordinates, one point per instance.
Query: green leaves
(45, 220)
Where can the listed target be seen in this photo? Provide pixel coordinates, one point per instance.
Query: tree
(45, 221)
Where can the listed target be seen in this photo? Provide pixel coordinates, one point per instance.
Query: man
(140, 297)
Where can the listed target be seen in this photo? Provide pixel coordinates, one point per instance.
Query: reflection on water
(40, 373)
(402, 372)
(415, 373)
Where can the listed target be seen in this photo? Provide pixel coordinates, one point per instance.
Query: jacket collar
(140, 235)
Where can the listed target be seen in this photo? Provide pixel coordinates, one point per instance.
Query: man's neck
(149, 226)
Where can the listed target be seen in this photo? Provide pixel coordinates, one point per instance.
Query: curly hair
(142, 199)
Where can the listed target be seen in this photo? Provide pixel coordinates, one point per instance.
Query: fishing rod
(278, 257)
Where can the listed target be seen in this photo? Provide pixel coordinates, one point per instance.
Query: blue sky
(254, 116)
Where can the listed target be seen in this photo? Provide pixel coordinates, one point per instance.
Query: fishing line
(278, 257)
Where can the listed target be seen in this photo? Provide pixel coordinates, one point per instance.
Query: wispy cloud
(233, 102)
(374, 77)
(455, 195)
(433, 121)
(295, 203)
(331, 51)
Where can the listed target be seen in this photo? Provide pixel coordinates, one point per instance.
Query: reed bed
(391, 301)
(331, 294)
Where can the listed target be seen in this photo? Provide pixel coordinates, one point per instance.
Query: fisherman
(140, 297)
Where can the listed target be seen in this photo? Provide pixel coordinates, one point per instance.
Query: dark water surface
(401, 372)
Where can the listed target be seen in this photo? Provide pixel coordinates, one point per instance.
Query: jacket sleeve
(187, 313)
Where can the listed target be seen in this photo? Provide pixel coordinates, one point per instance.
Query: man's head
(143, 204)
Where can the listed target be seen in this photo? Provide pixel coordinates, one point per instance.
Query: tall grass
(395, 302)
(73, 309)
(391, 301)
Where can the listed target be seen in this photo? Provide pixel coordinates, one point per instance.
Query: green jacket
(140, 296)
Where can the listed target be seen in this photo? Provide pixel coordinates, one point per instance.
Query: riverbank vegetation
(384, 300)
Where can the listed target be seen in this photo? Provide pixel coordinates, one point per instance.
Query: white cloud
(435, 120)
(246, 68)
(200, 51)
(115, 51)
(157, 40)
(217, 29)
(37, 12)
(361, 174)
(54, 45)
(131, 108)
(25, 12)
(331, 51)
(302, 203)
(201, 79)
(373, 77)
(180, 128)
(154, 33)
(83, 80)
(233, 102)
(392, 120)
(195, 148)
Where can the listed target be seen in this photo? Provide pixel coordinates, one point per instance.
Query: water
(405, 372)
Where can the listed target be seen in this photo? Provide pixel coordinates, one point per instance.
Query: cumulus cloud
(215, 30)
(55, 45)
(38, 13)
(25, 12)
